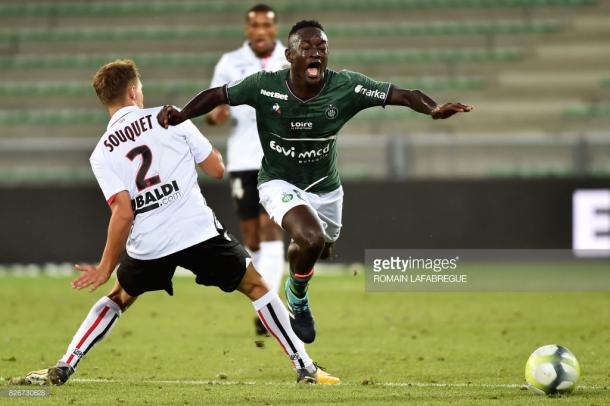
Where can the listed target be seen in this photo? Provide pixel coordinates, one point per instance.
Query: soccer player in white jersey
(148, 177)
(261, 51)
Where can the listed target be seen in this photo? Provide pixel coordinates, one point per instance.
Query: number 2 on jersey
(141, 181)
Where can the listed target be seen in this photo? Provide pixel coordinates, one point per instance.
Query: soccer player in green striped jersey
(299, 112)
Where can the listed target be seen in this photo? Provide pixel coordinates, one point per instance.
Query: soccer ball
(552, 369)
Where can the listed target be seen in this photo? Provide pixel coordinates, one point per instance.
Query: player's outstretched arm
(118, 232)
(203, 103)
(422, 103)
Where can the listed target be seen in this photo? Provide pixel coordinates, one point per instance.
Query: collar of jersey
(120, 114)
(327, 75)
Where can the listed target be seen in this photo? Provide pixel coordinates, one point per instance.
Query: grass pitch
(198, 347)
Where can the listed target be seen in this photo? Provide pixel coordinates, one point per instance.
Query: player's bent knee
(312, 241)
(254, 289)
(252, 284)
(293, 248)
(257, 292)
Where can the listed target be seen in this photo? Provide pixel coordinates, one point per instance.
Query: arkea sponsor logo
(274, 95)
(301, 125)
(155, 198)
(369, 93)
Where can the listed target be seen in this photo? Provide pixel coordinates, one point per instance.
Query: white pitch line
(172, 382)
(393, 384)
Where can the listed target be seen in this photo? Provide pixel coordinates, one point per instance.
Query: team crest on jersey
(286, 197)
(331, 112)
(296, 192)
(276, 109)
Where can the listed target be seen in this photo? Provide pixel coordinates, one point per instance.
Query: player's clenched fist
(169, 115)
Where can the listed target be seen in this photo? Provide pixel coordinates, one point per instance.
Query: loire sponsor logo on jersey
(274, 95)
(158, 197)
(312, 155)
(301, 125)
(369, 93)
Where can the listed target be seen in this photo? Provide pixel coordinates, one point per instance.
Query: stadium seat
(50, 89)
(453, 50)
(350, 31)
(209, 7)
(90, 61)
(590, 111)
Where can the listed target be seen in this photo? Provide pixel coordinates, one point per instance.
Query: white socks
(269, 262)
(270, 309)
(100, 320)
(274, 316)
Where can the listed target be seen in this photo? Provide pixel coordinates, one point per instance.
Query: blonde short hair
(112, 80)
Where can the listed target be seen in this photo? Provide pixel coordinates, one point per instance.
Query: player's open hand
(448, 109)
(169, 115)
(91, 275)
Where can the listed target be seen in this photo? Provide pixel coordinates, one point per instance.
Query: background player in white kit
(261, 51)
(148, 177)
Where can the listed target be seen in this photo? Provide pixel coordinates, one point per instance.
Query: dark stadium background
(502, 176)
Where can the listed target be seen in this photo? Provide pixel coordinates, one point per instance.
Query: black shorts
(219, 261)
(245, 194)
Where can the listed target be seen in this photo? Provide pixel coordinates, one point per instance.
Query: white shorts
(278, 197)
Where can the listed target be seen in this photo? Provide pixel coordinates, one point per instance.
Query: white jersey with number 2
(157, 167)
